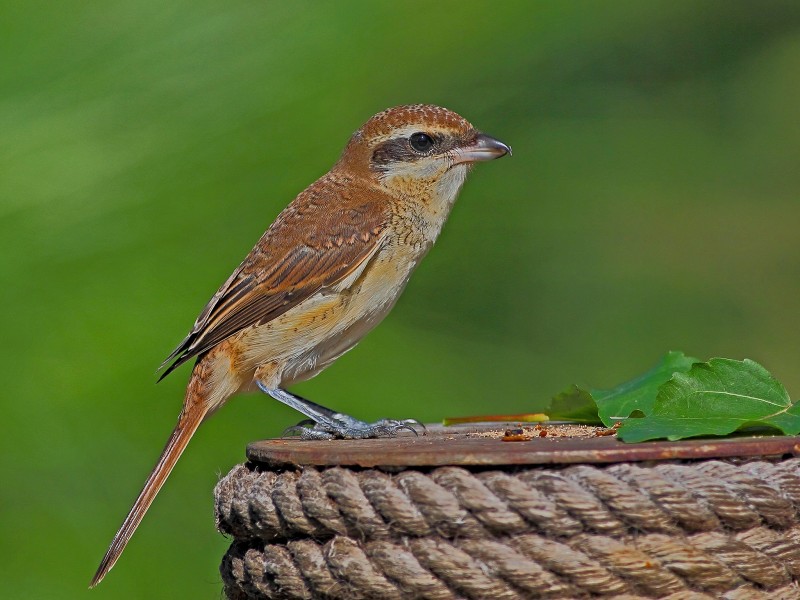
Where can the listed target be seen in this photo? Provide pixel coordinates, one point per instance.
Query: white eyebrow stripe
(407, 130)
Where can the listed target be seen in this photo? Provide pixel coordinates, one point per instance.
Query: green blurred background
(651, 204)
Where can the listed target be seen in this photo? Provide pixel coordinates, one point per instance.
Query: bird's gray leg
(329, 424)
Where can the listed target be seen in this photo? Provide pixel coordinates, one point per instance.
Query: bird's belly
(310, 336)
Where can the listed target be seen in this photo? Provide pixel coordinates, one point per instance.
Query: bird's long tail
(188, 422)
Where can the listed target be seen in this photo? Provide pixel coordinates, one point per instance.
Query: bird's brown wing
(311, 246)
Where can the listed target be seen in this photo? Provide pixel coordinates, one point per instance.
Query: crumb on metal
(609, 431)
(515, 435)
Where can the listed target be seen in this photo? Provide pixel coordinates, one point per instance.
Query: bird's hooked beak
(482, 147)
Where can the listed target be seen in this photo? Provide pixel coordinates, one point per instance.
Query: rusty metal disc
(470, 446)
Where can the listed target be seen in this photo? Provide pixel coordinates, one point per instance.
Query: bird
(326, 272)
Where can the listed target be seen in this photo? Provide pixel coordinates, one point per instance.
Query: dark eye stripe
(393, 151)
(399, 149)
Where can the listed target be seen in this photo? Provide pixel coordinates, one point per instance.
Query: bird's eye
(421, 142)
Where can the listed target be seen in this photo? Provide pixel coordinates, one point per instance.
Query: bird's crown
(394, 120)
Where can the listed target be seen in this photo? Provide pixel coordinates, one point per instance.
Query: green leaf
(716, 398)
(574, 404)
(639, 393)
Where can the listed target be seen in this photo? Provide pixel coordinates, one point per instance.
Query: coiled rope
(710, 529)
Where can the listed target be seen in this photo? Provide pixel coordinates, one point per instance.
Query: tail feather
(188, 423)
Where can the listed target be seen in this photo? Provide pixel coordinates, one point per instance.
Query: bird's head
(406, 148)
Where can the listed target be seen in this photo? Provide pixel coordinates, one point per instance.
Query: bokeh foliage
(651, 204)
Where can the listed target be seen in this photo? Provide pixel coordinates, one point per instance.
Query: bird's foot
(341, 426)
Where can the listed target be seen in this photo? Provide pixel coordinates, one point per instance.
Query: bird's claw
(295, 430)
(416, 423)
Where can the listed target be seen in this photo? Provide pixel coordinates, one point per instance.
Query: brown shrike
(324, 274)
